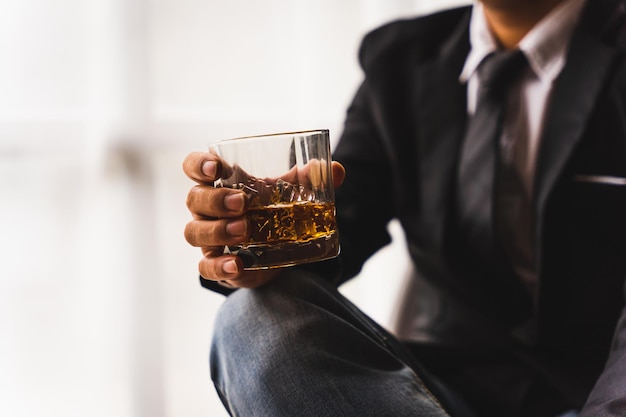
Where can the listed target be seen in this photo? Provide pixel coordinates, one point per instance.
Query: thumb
(339, 173)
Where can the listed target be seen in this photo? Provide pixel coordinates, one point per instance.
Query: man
(511, 188)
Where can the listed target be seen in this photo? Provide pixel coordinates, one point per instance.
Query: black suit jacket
(400, 148)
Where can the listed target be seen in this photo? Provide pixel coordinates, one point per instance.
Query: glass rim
(281, 134)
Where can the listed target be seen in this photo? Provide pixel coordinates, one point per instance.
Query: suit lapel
(441, 114)
(574, 96)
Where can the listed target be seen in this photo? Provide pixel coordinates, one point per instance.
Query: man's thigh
(298, 347)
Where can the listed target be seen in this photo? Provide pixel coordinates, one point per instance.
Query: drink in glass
(291, 209)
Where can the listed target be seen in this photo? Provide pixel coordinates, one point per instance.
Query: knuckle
(192, 166)
(190, 233)
(200, 233)
(208, 269)
(210, 201)
(193, 197)
(208, 233)
(206, 272)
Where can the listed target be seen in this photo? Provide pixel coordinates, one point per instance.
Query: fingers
(209, 233)
(228, 271)
(218, 221)
(202, 167)
(219, 268)
(207, 201)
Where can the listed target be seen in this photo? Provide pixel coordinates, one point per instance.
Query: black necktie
(479, 154)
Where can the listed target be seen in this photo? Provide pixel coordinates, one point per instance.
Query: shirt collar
(545, 46)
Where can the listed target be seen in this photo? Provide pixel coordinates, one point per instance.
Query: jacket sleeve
(365, 200)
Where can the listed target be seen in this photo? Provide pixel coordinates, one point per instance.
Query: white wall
(101, 313)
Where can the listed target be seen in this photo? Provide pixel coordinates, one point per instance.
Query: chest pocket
(598, 207)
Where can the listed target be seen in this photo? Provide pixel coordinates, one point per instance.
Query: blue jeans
(297, 347)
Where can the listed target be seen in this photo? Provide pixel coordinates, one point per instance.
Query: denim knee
(297, 347)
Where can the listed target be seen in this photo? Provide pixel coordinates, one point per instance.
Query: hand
(219, 220)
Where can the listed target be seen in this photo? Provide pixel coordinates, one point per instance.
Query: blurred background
(101, 312)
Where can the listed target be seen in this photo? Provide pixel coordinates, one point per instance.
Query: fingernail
(209, 168)
(230, 267)
(234, 202)
(236, 228)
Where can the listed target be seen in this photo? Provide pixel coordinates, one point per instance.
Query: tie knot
(499, 69)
